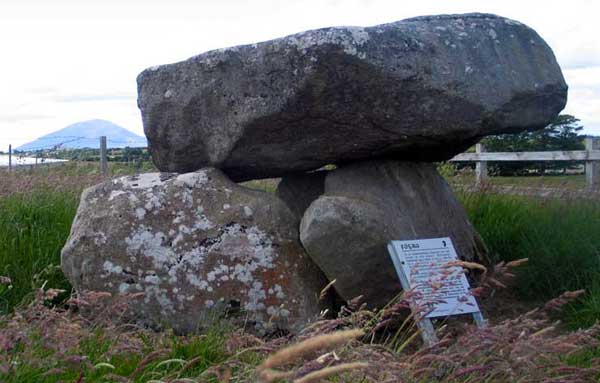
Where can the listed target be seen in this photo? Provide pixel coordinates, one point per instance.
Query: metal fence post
(481, 172)
(103, 156)
(9, 157)
(592, 168)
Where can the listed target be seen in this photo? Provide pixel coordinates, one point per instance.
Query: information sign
(439, 287)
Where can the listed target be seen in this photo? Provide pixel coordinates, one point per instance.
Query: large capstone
(420, 89)
(199, 247)
(366, 205)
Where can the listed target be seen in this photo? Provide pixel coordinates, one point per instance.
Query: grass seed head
(308, 346)
(319, 375)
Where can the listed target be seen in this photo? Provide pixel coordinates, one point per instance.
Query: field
(555, 181)
(50, 335)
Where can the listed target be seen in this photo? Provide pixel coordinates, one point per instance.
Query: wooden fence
(591, 156)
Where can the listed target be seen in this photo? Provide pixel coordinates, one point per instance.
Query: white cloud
(74, 60)
(584, 96)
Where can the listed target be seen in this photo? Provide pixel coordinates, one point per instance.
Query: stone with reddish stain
(199, 247)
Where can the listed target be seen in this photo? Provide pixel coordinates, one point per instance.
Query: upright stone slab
(365, 205)
(198, 246)
(421, 89)
(298, 191)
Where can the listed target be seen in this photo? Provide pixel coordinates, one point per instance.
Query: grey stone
(365, 205)
(198, 246)
(298, 191)
(421, 89)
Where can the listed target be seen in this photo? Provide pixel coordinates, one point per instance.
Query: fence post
(592, 168)
(481, 172)
(9, 157)
(103, 156)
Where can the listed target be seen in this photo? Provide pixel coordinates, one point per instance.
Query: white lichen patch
(140, 213)
(256, 296)
(152, 279)
(187, 198)
(278, 312)
(115, 193)
(111, 268)
(140, 181)
(179, 217)
(154, 200)
(145, 242)
(133, 199)
(100, 238)
(360, 35)
(202, 221)
(277, 290)
(160, 295)
(196, 281)
(511, 22)
(349, 38)
(248, 211)
(191, 179)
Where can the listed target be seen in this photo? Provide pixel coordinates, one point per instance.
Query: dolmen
(381, 104)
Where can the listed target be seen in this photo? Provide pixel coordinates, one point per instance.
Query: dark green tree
(560, 134)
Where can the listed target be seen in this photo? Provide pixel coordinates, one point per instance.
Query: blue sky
(65, 61)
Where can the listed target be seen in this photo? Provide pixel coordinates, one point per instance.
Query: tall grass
(43, 343)
(561, 238)
(83, 342)
(33, 229)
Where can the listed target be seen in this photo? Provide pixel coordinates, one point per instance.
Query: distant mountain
(86, 134)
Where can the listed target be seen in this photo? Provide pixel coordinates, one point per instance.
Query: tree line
(562, 134)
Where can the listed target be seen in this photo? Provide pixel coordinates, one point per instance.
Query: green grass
(576, 181)
(268, 185)
(569, 182)
(33, 229)
(102, 359)
(561, 238)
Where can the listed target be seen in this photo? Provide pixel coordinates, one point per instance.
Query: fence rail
(103, 159)
(591, 156)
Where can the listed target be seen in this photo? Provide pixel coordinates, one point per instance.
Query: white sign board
(439, 289)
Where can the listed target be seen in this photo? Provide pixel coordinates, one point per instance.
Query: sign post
(439, 288)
